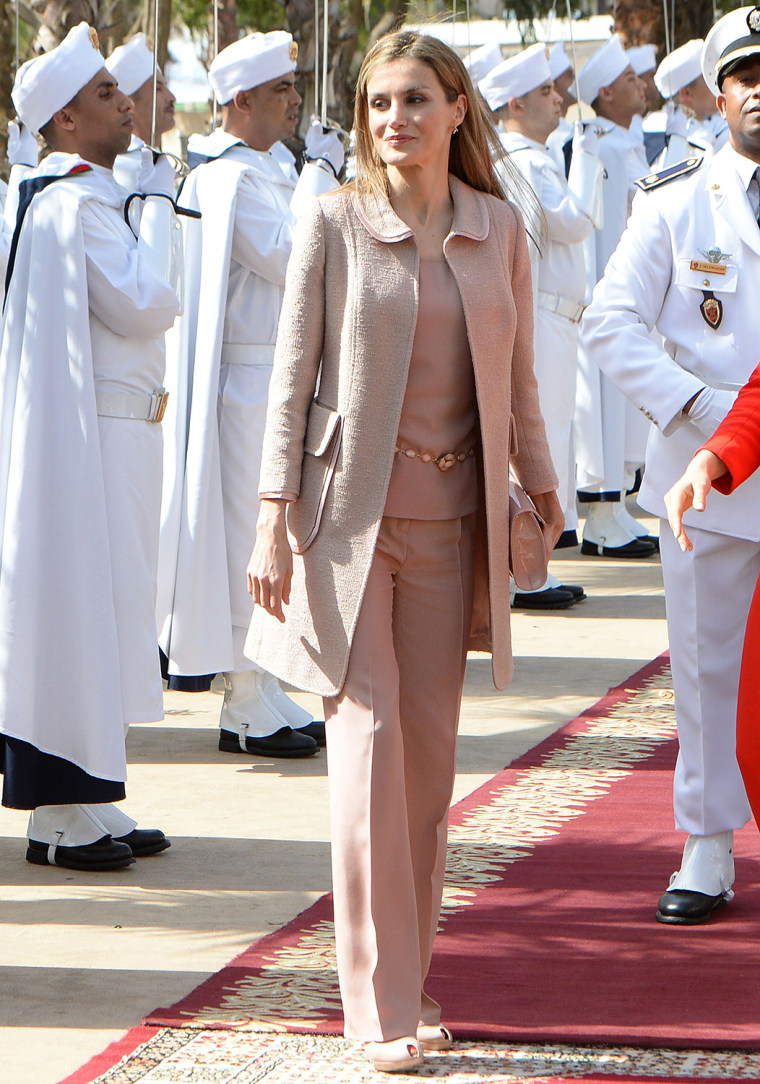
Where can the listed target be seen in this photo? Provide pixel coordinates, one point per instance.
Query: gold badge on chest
(711, 309)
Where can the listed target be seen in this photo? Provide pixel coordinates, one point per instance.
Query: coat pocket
(321, 447)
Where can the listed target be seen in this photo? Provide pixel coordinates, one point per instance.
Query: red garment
(737, 443)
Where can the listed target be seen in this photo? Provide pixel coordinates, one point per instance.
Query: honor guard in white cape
(688, 266)
(692, 111)
(610, 438)
(219, 363)
(132, 67)
(520, 91)
(81, 367)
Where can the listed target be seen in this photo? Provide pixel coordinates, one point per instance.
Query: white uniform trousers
(708, 593)
(242, 408)
(391, 746)
(556, 369)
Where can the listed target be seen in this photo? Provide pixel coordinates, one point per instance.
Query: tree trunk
(7, 63)
(352, 30)
(641, 21)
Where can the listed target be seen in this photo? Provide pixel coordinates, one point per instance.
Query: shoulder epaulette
(681, 169)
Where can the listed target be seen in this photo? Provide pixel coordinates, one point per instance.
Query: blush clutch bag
(528, 561)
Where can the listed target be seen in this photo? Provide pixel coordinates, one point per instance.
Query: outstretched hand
(690, 491)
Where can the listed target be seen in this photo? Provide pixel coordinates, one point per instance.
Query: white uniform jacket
(561, 268)
(652, 281)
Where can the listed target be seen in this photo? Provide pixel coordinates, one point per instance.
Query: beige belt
(571, 310)
(247, 354)
(118, 404)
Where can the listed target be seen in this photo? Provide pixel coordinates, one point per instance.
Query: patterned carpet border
(189, 1056)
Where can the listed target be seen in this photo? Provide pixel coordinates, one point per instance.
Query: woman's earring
(455, 130)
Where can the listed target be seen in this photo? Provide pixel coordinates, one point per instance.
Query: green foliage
(261, 15)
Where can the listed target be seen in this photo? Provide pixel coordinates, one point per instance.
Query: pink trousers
(391, 746)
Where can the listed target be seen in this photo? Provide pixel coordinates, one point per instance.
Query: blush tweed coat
(341, 361)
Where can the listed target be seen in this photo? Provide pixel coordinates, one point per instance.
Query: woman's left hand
(550, 511)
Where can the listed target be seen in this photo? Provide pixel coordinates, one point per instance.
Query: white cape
(59, 653)
(193, 603)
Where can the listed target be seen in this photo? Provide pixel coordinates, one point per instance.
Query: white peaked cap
(483, 60)
(559, 61)
(131, 64)
(679, 68)
(602, 69)
(642, 58)
(516, 76)
(732, 38)
(47, 83)
(253, 60)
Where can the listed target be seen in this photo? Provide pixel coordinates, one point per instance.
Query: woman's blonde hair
(474, 149)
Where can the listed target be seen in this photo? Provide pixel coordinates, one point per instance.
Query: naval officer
(610, 438)
(522, 93)
(688, 265)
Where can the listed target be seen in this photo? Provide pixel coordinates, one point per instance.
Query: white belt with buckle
(571, 310)
(142, 407)
(247, 354)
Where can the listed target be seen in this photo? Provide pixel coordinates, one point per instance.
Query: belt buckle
(158, 406)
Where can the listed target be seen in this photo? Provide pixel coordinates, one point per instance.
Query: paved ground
(84, 956)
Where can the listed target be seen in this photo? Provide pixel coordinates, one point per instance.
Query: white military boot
(250, 722)
(631, 524)
(603, 536)
(293, 714)
(702, 883)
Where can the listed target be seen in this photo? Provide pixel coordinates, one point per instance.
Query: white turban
(252, 61)
(483, 61)
(642, 58)
(47, 83)
(679, 68)
(559, 61)
(602, 69)
(516, 76)
(131, 65)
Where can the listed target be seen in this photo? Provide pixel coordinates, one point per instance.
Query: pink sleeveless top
(439, 413)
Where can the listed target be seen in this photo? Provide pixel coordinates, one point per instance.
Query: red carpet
(548, 934)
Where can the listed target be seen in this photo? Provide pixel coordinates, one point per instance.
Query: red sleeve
(737, 439)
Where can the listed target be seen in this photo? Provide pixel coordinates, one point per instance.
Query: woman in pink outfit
(402, 388)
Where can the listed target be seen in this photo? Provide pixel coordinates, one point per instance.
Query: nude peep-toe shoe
(395, 1056)
(432, 1037)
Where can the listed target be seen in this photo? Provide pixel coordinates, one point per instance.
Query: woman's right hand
(690, 491)
(270, 569)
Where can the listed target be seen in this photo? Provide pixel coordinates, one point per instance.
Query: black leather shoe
(682, 907)
(285, 743)
(635, 548)
(144, 841)
(566, 540)
(551, 598)
(652, 539)
(316, 730)
(575, 590)
(105, 853)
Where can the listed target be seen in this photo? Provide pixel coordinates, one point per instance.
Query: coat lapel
(730, 200)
